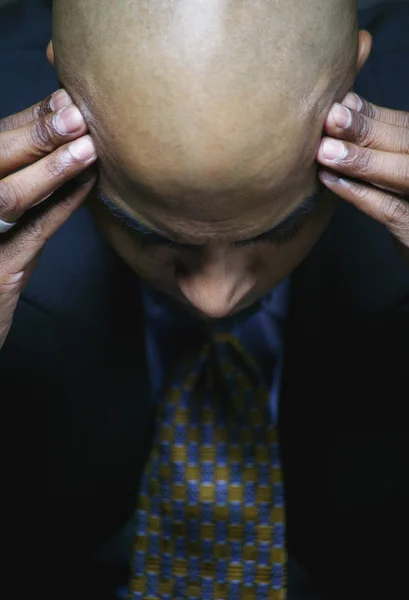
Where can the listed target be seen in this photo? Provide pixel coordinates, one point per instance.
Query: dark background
(26, 78)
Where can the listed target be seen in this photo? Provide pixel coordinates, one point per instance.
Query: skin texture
(207, 118)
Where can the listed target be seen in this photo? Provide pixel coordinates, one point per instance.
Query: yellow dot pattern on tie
(210, 524)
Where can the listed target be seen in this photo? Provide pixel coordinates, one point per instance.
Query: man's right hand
(41, 149)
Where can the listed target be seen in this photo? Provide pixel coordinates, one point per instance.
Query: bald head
(192, 99)
(207, 117)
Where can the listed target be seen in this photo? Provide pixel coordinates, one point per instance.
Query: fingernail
(329, 178)
(342, 116)
(68, 120)
(59, 100)
(353, 101)
(334, 150)
(83, 148)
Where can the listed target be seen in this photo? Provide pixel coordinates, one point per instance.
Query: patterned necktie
(210, 521)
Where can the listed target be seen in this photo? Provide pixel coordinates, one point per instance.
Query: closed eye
(278, 237)
(291, 227)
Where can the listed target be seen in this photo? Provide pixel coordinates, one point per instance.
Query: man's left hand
(366, 162)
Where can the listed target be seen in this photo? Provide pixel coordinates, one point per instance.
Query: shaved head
(206, 112)
(208, 85)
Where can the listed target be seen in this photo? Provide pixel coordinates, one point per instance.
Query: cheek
(155, 265)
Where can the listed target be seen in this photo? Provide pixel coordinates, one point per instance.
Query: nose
(215, 282)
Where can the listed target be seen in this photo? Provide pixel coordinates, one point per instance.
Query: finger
(21, 147)
(373, 166)
(390, 210)
(346, 124)
(30, 186)
(52, 103)
(385, 115)
(22, 246)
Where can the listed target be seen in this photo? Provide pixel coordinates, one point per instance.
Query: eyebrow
(298, 214)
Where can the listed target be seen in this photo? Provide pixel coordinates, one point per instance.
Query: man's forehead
(223, 216)
(209, 172)
(236, 201)
(202, 162)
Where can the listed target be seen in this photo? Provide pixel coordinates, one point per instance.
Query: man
(198, 166)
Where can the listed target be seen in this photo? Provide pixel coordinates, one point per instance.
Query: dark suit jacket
(76, 423)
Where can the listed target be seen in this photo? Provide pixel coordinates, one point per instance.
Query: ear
(365, 48)
(50, 54)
